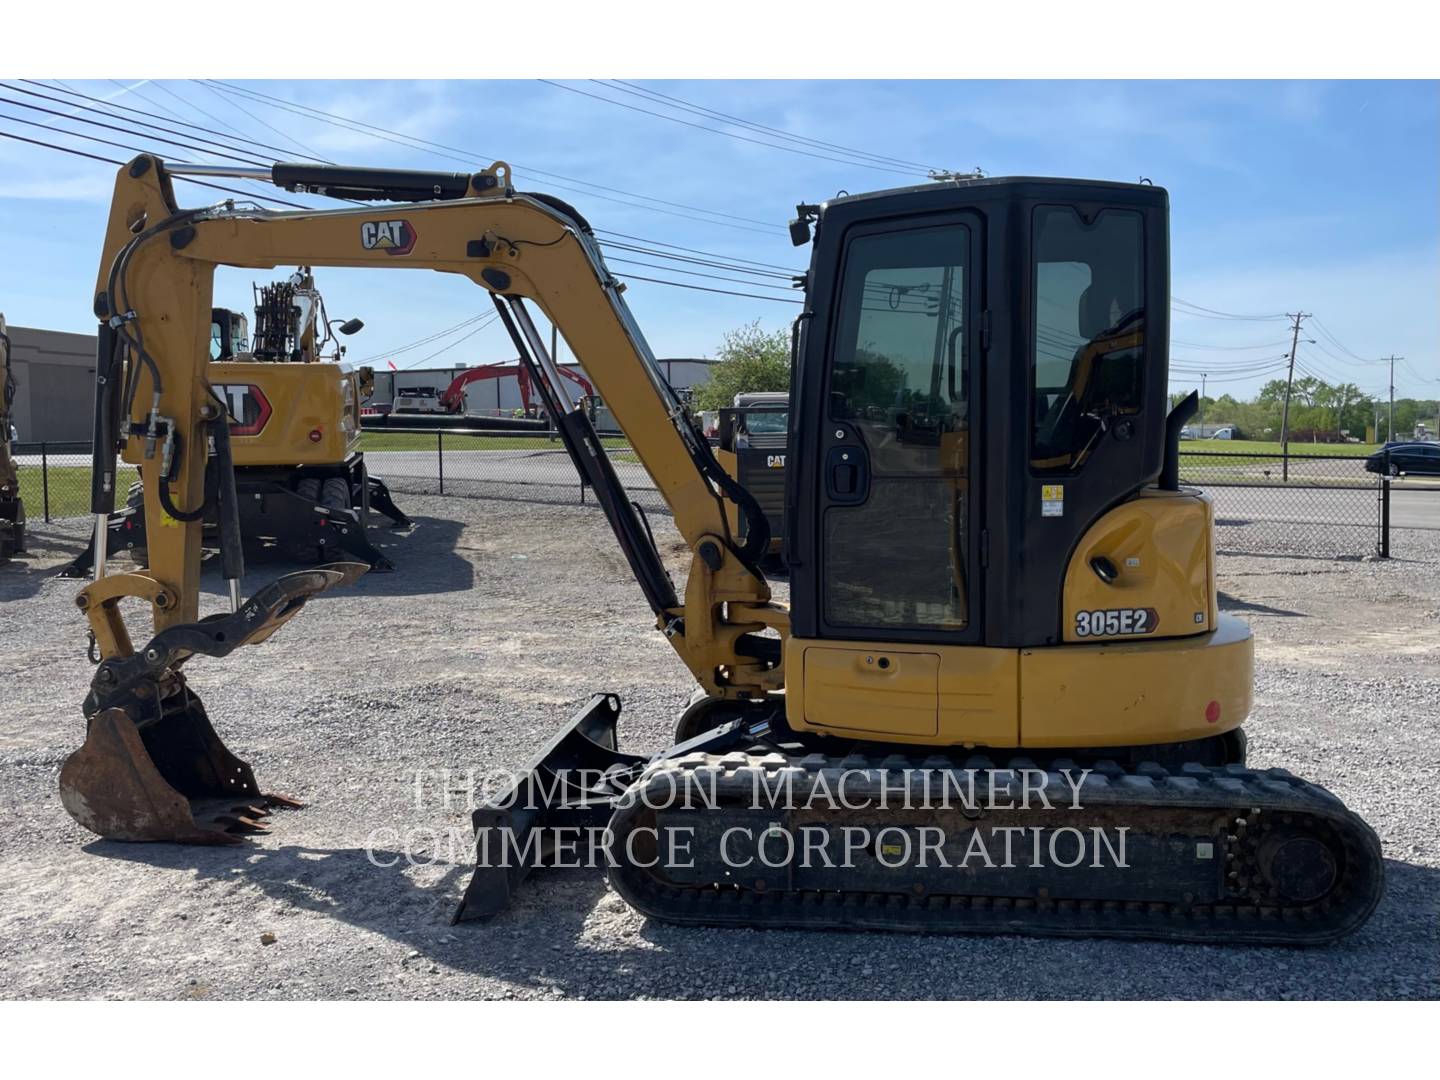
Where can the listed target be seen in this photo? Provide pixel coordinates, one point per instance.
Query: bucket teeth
(244, 826)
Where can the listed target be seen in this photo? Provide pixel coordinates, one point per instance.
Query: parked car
(1412, 459)
(1223, 433)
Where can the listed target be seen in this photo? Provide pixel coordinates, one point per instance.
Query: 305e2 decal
(1116, 622)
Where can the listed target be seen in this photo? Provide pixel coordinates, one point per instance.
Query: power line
(1328, 374)
(706, 288)
(1325, 332)
(1229, 348)
(131, 131)
(222, 146)
(1187, 377)
(1413, 373)
(718, 131)
(1205, 312)
(287, 137)
(116, 161)
(141, 112)
(436, 336)
(487, 321)
(228, 144)
(72, 134)
(717, 265)
(702, 110)
(232, 127)
(728, 263)
(144, 135)
(694, 251)
(144, 97)
(470, 157)
(750, 274)
(724, 264)
(699, 273)
(203, 112)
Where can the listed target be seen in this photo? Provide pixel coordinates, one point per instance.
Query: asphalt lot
(379, 704)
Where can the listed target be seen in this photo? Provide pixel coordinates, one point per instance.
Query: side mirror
(800, 225)
(350, 326)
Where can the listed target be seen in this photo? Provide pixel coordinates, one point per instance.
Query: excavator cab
(917, 376)
(229, 334)
(981, 382)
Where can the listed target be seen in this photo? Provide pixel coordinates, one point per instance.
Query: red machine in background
(452, 401)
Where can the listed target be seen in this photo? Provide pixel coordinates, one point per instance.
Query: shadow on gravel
(22, 576)
(425, 557)
(1234, 603)
(20, 579)
(536, 944)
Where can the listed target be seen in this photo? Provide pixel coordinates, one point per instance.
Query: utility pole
(1285, 412)
(1390, 433)
(1203, 377)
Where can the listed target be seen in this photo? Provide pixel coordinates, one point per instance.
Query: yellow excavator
(303, 488)
(12, 506)
(997, 583)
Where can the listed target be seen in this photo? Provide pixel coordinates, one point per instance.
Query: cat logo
(774, 461)
(248, 406)
(391, 237)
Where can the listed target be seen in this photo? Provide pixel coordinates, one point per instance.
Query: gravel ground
(501, 620)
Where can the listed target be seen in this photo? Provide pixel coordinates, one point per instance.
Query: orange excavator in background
(452, 401)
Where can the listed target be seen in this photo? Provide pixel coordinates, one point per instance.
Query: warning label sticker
(1052, 500)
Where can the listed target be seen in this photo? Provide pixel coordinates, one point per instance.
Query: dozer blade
(152, 767)
(570, 785)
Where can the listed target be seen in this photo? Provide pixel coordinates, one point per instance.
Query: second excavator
(305, 492)
(998, 584)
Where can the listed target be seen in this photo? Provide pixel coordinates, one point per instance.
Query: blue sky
(1318, 196)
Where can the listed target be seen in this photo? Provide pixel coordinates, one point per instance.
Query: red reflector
(1212, 713)
(315, 435)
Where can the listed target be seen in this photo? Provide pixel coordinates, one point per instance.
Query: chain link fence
(1299, 504)
(1302, 504)
(55, 479)
(524, 466)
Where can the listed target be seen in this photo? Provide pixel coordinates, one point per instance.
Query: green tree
(751, 360)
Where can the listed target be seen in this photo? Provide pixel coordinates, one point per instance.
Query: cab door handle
(847, 474)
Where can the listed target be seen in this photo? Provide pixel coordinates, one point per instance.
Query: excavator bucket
(173, 780)
(152, 766)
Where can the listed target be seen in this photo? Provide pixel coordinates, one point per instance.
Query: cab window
(1088, 331)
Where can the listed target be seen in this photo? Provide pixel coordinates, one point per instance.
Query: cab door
(898, 441)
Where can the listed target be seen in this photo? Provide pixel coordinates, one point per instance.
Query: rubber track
(1233, 793)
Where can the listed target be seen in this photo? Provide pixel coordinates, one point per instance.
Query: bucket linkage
(152, 766)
